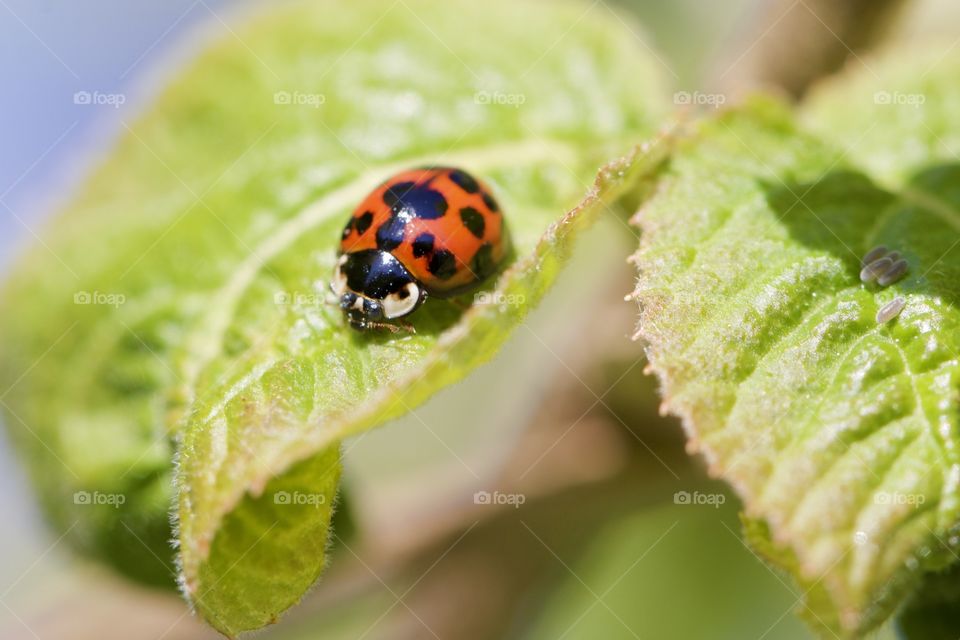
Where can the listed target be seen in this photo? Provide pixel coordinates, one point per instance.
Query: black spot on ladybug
(347, 229)
(442, 264)
(417, 200)
(390, 233)
(423, 244)
(363, 222)
(482, 264)
(395, 192)
(403, 294)
(473, 221)
(464, 180)
(490, 202)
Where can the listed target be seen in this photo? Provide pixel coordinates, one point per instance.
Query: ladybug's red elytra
(434, 231)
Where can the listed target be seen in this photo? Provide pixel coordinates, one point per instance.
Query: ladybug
(434, 231)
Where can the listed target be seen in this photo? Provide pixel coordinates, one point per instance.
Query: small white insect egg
(883, 266)
(873, 269)
(896, 271)
(874, 254)
(891, 310)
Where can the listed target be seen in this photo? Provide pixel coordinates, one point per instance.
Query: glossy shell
(441, 223)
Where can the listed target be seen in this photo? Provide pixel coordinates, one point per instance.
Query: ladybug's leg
(406, 326)
(393, 327)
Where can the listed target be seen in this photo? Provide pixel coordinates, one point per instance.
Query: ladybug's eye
(402, 302)
(339, 282)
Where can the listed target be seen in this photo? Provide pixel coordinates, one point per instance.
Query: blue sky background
(51, 49)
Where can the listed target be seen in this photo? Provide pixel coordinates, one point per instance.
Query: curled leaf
(185, 308)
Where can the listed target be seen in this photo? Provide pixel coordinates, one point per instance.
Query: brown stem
(794, 42)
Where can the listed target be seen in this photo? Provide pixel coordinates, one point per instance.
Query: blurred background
(568, 508)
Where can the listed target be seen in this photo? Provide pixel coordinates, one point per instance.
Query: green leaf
(840, 433)
(199, 255)
(895, 117)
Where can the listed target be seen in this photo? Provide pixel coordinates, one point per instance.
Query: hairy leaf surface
(840, 433)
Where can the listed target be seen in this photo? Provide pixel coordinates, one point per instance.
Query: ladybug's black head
(374, 287)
